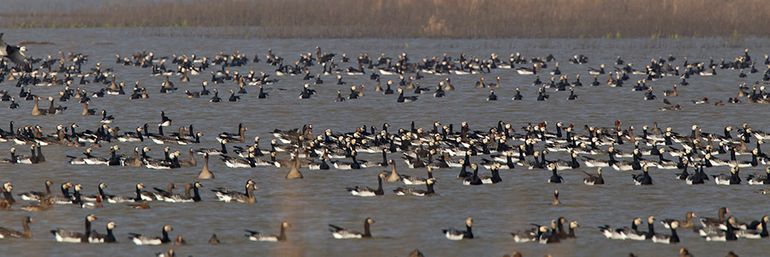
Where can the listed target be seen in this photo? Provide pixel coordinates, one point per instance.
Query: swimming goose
(225, 195)
(10, 233)
(417, 192)
(368, 191)
(98, 238)
(473, 179)
(592, 179)
(240, 136)
(343, 233)
(205, 173)
(732, 179)
(257, 236)
(44, 205)
(668, 239)
(555, 177)
(401, 98)
(688, 221)
(494, 178)
(624, 233)
(36, 195)
(410, 180)
(355, 164)
(758, 179)
(455, 234)
(530, 235)
(214, 151)
(712, 225)
(643, 178)
(555, 200)
(139, 239)
(728, 234)
(67, 236)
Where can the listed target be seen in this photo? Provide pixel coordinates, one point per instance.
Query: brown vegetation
(427, 18)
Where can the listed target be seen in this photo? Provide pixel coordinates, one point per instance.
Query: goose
(66, 236)
(712, 225)
(139, 239)
(162, 194)
(495, 176)
(66, 197)
(259, 237)
(235, 162)
(355, 164)
(141, 195)
(97, 238)
(214, 151)
(343, 233)
(112, 198)
(757, 179)
(643, 178)
(186, 197)
(136, 136)
(474, 179)
(724, 235)
(401, 98)
(455, 234)
(410, 180)
(668, 239)
(417, 192)
(190, 162)
(688, 221)
(624, 233)
(592, 179)
(530, 235)
(555, 177)
(45, 204)
(205, 173)
(225, 195)
(239, 137)
(10, 233)
(555, 200)
(368, 191)
(732, 179)
(36, 195)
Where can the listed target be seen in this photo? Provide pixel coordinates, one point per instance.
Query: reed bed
(425, 18)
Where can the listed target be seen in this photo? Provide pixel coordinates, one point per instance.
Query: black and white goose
(140, 239)
(759, 179)
(455, 234)
(732, 179)
(592, 179)
(412, 180)
(66, 236)
(36, 195)
(343, 233)
(368, 191)
(98, 238)
(259, 237)
(643, 178)
(668, 239)
(226, 195)
(417, 192)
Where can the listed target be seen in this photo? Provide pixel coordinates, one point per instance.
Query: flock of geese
(478, 155)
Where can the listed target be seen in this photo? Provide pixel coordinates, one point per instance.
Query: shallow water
(402, 224)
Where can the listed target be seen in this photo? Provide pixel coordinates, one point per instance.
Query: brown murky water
(402, 223)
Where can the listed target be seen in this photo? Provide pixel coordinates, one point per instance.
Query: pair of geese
(450, 233)
(365, 191)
